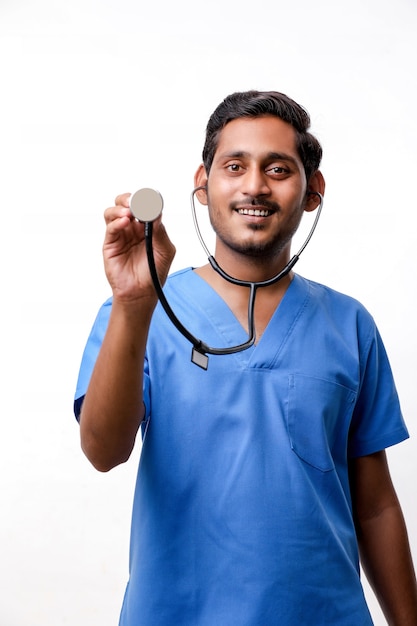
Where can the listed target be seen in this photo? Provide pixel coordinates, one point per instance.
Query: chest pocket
(318, 418)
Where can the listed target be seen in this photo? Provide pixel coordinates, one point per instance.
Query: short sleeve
(377, 420)
(90, 353)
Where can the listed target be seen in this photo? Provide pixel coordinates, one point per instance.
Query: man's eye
(277, 169)
(233, 167)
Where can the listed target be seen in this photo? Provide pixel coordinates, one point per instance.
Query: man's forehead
(268, 134)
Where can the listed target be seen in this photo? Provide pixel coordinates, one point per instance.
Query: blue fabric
(242, 511)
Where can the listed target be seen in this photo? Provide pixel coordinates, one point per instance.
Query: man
(262, 478)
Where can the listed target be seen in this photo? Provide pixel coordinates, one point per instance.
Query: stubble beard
(267, 250)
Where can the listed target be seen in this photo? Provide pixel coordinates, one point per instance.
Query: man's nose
(256, 183)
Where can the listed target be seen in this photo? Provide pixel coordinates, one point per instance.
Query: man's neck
(237, 297)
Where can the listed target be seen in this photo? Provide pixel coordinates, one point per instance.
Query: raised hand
(124, 253)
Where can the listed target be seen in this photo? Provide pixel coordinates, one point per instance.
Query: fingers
(115, 214)
(123, 200)
(119, 216)
(119, 219)
(121, 223)
(162, 244)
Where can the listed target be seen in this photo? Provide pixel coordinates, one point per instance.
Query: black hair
(256, 104)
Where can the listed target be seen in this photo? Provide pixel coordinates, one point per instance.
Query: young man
(263, 478)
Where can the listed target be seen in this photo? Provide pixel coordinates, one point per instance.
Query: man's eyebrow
(281, 156)
(270, 156)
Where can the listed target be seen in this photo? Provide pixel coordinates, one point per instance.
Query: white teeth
(255, 212)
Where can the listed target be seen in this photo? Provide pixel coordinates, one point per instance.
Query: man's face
(256, 187)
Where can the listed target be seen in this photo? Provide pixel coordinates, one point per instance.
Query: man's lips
(255, 208)
(254, 212)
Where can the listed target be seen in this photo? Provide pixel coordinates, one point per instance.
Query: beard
(263, 250)
(267, 249)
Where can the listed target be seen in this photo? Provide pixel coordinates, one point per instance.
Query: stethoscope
(146, 206)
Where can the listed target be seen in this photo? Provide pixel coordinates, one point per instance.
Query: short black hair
(257, 104)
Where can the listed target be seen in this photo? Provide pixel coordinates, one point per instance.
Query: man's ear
(316, 185)
(200, 180)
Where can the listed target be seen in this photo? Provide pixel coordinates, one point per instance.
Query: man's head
(257, 104)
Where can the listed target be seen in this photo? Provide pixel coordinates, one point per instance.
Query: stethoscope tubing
(198, 345)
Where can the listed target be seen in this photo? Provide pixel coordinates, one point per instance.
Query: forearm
(387, 562)
(113, 405)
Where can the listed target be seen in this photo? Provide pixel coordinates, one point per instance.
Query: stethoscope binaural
(146, 206)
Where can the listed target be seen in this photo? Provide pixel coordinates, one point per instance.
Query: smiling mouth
(255, 212)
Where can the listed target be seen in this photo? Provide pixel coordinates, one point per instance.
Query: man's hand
(124, 253)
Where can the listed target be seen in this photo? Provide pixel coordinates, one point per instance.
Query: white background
(102, 97)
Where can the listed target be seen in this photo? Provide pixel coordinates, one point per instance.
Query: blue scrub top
(242, 511)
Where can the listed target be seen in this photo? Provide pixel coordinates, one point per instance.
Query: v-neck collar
(229, 332)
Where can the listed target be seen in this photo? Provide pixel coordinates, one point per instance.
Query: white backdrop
(102, 97)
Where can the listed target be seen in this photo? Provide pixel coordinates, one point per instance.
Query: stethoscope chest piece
(146, 204)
